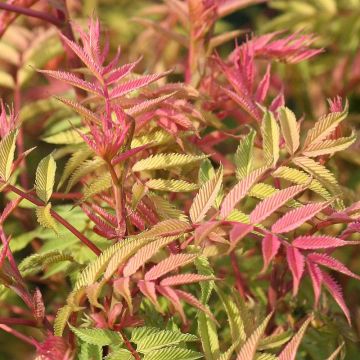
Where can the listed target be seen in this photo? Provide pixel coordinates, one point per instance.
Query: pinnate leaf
(45, 178)
(166, 161)
(289, 129)
(206, 197)
(7, 152)
(290, 350)
(271, 138)
(248, 350)
(238, 192)
(294, 218)
(308, 242)
(296, 263)
(169, 264)
(268, 206)
(100, 337)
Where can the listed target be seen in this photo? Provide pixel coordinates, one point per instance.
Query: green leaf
(166, 161)
(206, 197)
(289, 130)
(67, 137)
(7, 152)
(119, 354)
(99, 185)
(99, 337)
(244, 155)
(271, 137)
(208, 336)
(173, 353)
(90, 352)
(158, 339)
(45, 219)
(45, 178)
(171, 185)
(62, 318)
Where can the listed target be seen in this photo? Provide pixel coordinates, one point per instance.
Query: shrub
(184, 211)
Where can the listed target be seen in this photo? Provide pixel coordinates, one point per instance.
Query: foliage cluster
(197, 199)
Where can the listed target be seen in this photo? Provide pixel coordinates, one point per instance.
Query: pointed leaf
(320, 242)
(289, 129)
(331, 263)
(268, 206)
(244, 155)
(296, 263)
(238, 192)
(270, 247)
(294, 218)
(206, 197)
(271, 138)
(7, 152)
(45, 178)
(248, 350)
(290, 350)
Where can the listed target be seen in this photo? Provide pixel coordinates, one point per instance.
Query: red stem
(18, 321)
(130, 347)
(32, 13)
(61, 220)
(22, 337)
(240, 283)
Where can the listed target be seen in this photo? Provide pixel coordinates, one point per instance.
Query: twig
(32, 13)
(60, 219)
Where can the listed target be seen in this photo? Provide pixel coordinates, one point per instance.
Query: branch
(32, 13)
(60, 219)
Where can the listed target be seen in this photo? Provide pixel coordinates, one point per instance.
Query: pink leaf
(290, 350)
(121, 72)
(144, 254)
(270, 247)
(336, 292)
(84, 57)
(73, 81)
(238, 232)
(148, 289)
(169, 264)
(331, 263)
(268, 206)
(135, 84)
(296, 263)
(173, 297)
(320, 242)
(238, 192)
(125, 155)
(316, 279)
(263, 87)
(182, 279)
(294, 218)
(192, 300)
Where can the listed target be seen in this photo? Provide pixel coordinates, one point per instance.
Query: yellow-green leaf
(45, 178)
(171, 185)
(244, 155)
(45, 219)
(7, 152)
(166, 161)
(289, 130)
(271, 137)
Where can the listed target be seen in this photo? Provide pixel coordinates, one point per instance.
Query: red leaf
(268, 206)
(182, 279)
(296, 263)
(293, 219)
(238, 192)
(270, 246)
(316, 279)
(169, 264)
(331, 263)
(320, 242)
(336, 292)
